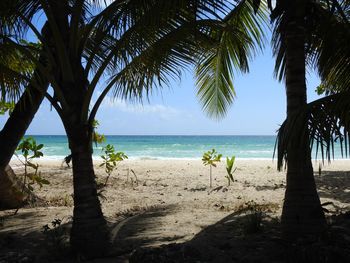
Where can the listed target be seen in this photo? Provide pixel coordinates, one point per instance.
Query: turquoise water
(188, 147)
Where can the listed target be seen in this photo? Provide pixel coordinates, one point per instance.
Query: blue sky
(259, 108)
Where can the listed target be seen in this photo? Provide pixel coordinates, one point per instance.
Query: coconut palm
(329, 55)
(302, 213)
(22, 112)
(332, 58)
(12, 63)
(136, 46)
(302, 36)
(329, 117)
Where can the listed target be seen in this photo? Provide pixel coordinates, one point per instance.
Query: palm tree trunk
(11, 194)
(89, 236)
(302, 213)
(19, 121)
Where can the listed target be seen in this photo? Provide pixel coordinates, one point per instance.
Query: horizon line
(161, 134)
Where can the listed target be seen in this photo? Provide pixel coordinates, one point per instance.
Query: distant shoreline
(173, 147)
(145, 158)
(168, 135)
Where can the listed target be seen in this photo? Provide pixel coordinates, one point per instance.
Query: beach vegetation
(110, 160)
(97, 138)
(253, 219)
(30, 151)
(252, 215)
(295, 49)
(83, 43)
(229, 169)
(252, 222)
(6, 107)
(56, 238)
(305, 34)
(132, 181)
(211, 158)
(20, 99)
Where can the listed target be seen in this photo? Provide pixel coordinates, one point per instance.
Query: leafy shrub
(97, 138)
(6, 107)
(111, 158)
(30, 151)
(253, 219)
(57, 241)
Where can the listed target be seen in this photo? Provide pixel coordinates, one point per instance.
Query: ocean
(171, 147)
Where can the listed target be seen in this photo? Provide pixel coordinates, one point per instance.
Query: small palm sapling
(211, 158)
(111, 160)
(229, 166)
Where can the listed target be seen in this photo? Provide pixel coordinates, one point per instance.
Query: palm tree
(138, 45)
(329, 117)
(302, 30)
(12, 193)
(332, 56)
(302, 213)
(14, 129)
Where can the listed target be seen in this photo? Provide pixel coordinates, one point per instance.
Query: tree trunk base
(90, 243)
(12, 193)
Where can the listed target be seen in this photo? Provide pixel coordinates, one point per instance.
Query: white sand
(179, 189)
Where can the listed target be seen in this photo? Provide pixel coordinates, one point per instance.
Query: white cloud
(158, 110)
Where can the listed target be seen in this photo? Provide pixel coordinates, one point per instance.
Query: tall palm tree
(12, 64)
(138, 45)
(302, 213)
(294, 27)
(302, 28)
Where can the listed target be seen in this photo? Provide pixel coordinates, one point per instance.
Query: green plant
(56, 238)
(253, 218)
(6, 107)
(97, 138)
(67, 200)
(31, 150)
(211, 158)
(111, 158)
(136, 181)
(229, 166)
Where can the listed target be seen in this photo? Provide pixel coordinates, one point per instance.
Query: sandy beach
(173, 196)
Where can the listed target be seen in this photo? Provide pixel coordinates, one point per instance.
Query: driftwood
(13, 194)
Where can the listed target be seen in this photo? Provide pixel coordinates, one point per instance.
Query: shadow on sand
(334, 185)
(224, 241)
(227, 241)
(140, 237)
(141, 229)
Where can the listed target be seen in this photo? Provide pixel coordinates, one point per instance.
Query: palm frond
(163, 19)
(12, 13)
(326, 38)
(15, 70)
(233, 47)
(326, 122)
(332, 55)
(162, 60)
